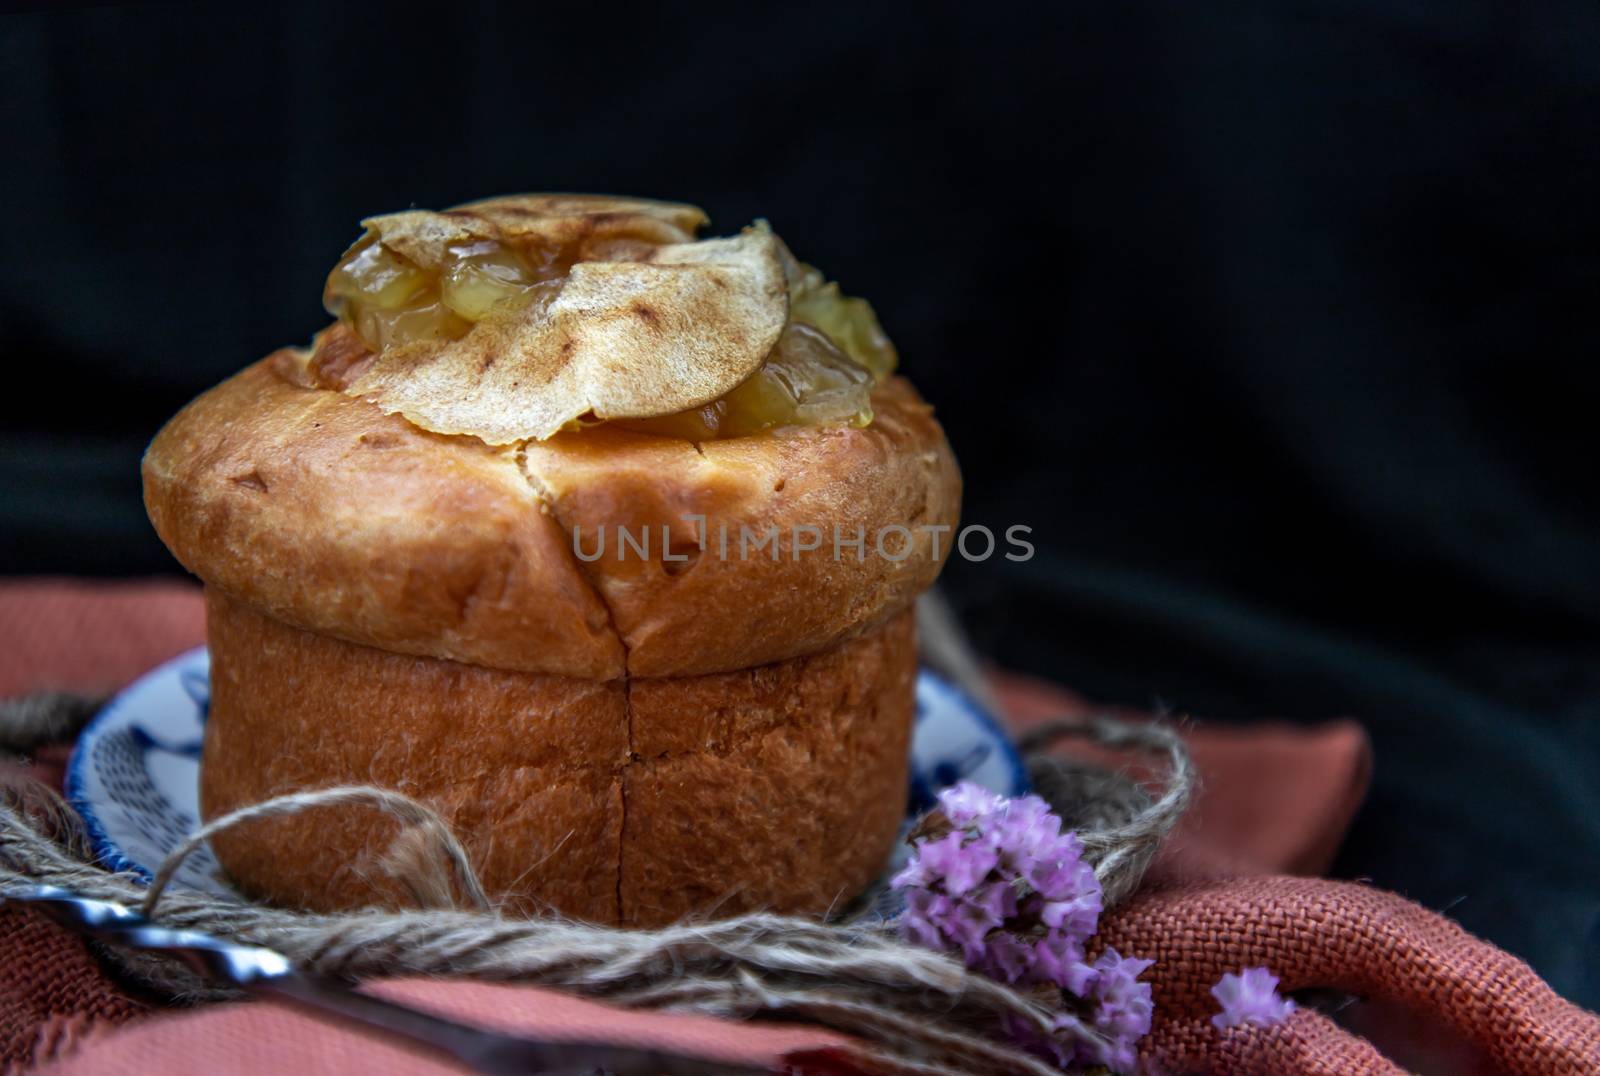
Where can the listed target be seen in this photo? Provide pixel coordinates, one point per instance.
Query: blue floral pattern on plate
(134, 776)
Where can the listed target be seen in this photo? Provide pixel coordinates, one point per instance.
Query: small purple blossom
(966, 802)
(1007, 957)
(998, 880)
(921, 922)
(1107, 1031)
(1059, 959)
(960, 863)
(1077, 913)
(1251, 997)
(1122, 1004)
(1027, 830)
(1058, 872)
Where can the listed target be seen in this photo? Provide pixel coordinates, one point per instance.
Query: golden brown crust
(334, 517)
(718, 611)
(780, 787)
(638, 801)
(338, 518)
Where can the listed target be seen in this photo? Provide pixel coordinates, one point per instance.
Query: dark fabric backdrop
(1275, 320)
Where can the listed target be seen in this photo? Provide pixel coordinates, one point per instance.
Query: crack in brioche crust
(776, 787)
(334, 517)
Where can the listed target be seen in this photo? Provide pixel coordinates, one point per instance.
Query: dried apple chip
(676, 328)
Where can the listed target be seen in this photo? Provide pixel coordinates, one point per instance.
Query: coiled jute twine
(915, 1011)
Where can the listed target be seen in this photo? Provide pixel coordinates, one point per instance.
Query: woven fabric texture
(1345, 937)
(53, 993)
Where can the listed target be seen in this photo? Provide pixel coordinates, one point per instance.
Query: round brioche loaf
(630, 739)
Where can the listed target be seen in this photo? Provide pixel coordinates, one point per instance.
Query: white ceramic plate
(134, 776)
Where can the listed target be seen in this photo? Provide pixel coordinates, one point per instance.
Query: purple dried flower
(1251, 997)
(1007, 957)
(1011, 891)
(1118, 1009)
(961, 864)
(918, 924)
(972, 918)
(938, 921)
(996, 853)
(1058, 871)
(1123, 1006)
(965, 802)
(1059, 959)
(1079, 915)
(1026, 826)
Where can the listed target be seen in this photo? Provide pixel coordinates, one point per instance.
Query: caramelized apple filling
(821, 372)
(389, 300)
(806, 381)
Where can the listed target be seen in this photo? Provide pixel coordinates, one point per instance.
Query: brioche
(572, 527)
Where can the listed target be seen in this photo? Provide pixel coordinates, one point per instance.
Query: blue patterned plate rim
(75, 781)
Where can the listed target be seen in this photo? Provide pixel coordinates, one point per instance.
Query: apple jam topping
(821, 371)
(806, 381)
(389, 300)
(847, 321)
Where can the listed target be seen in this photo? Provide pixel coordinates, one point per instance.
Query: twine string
(1120, 849)
(48, 717)
(424, 818)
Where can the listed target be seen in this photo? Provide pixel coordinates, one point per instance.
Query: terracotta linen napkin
(1275, 800)
(1274, 797)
